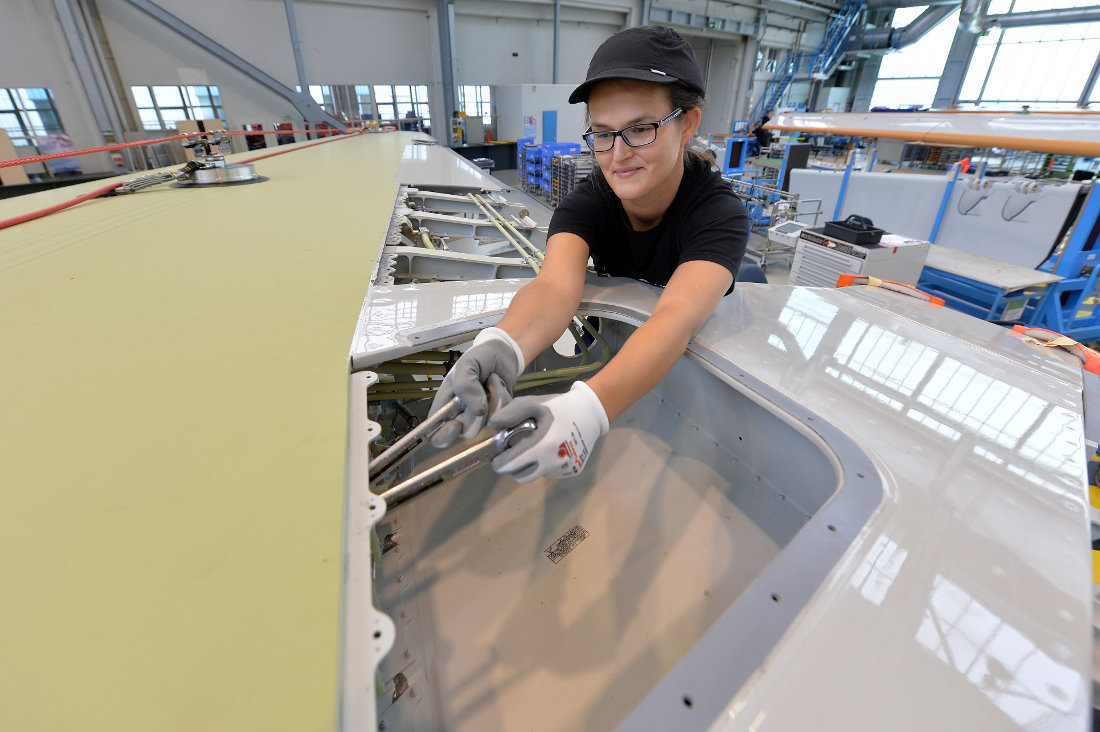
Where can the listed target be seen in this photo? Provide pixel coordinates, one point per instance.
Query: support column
(1086, 93)
(954, 71)
(445, 11)
(741, 100)
(89, 71)
(865, 87)
(557, 36)
(296, 45)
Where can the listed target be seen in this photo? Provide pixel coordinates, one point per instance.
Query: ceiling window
(1042, 66)
(161, 107)
(909, 77)
(26, 114)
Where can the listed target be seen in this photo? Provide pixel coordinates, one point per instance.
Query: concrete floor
(777, 268)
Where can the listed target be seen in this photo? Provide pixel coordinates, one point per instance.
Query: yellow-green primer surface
(172, 445)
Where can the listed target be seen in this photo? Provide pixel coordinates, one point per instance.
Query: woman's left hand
(567, 428)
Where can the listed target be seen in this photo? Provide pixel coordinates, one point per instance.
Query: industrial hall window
(161, 107)
(1042, 66)
(363, 107)
(322, 94)
(26, 114)
(401, 102)
(475, 101)
(346, 101)
(909, 77)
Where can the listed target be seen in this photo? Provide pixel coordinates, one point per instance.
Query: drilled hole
(377, 634)
(688, 702)
(859, 475)
(832, 528)
(776, 598)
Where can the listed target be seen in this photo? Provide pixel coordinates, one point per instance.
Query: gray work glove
(483, 378)
(568, 427)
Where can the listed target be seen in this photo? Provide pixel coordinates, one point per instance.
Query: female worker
(651, 212)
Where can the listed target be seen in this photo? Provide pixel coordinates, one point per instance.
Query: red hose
(46, 211)
(281, 152)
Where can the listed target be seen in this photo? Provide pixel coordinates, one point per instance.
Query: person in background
(763, 137)
(651, 211)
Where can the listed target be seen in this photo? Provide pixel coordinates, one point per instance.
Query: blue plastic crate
(533, 180)
(545, 185)
(565, 148)
(519, 146)
(533, 168)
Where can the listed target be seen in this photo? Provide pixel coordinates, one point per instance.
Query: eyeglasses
(634, 136)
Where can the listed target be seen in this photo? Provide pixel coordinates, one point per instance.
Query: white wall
(533, 99)
(720, 59)
(343, 42)
(510, 42)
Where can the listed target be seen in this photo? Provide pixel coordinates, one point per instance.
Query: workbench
(983, 287)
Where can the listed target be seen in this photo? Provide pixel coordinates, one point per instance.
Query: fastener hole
(377, 634)
(832, 528)
(859, 475)
(689, 702)
(776, 598)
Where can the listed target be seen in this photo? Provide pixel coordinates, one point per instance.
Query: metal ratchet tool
(413, 440)
(461, 463)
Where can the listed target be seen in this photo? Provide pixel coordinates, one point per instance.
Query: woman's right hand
(483, 379)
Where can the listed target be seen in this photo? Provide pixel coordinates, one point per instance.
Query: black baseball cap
(649, 53)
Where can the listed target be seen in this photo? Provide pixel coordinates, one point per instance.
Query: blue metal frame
(979, 299)
(732, 167)
(844, 186)
(1059, 306)
(943, 204)
(1079, 264)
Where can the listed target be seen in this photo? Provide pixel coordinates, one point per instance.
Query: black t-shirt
(705, 221)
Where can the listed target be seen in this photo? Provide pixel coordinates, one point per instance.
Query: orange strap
(1090, 359)
(846, 280)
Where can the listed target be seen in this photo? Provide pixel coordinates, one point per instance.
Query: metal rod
(413, 440)
(463, 462)
(508, 224)
(515, 244)
(1041, 17)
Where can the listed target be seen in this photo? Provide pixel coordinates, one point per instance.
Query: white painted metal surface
(962, 603)
(1005, 276)
(429, 165)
